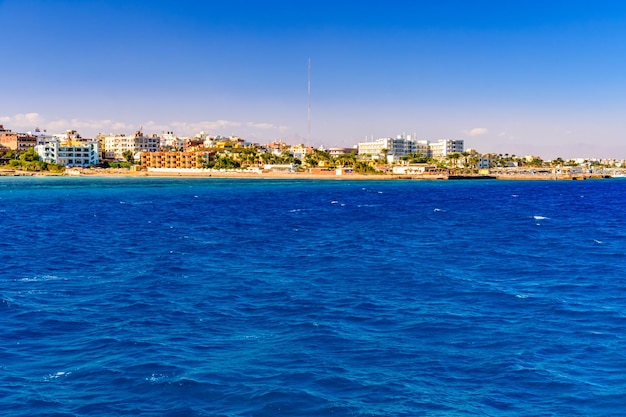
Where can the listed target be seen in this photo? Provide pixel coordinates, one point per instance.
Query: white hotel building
(70, 154)
(444, 147)
(404, 145)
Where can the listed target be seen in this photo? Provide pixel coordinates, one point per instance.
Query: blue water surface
(216, 297)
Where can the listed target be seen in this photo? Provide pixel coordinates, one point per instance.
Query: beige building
(300, 151)
(341, 151)
(114, 146)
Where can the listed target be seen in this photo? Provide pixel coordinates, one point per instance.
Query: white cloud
(90, 128)
(477, 131)
(22, 120)
(218, 127)
(264, 126)
(267, 126)
(87, 127)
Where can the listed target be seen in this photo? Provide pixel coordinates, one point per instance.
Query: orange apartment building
(15, 141)
(174, 159)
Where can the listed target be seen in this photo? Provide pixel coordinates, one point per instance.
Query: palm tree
(465, 157)
(454, 158)
(249, 156)
(345, 160)
(385, 152)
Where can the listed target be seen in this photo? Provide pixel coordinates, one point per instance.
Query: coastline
(90, 172)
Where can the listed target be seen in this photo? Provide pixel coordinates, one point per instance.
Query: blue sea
(216, 297)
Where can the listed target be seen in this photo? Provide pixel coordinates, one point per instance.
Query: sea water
(216, 297)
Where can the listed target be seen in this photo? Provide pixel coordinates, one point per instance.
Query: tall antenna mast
(308, 140)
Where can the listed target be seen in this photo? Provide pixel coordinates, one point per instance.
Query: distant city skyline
(534, 78)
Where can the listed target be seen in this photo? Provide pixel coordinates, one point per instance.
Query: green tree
(465, 159)
(361, 167)
(128, 156)
(249, 156)
(29, 155)
(558, 161)
(226, 162)
(346, 160)
(453, 159)
(314, 159)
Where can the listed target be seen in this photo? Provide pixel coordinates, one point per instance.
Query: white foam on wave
(155, 377)
(56, 375)
(599, 242)
(40, 278)
(334, 202)
(436, 210)
(540, 218)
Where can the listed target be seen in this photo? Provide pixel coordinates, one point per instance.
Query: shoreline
(298, 175)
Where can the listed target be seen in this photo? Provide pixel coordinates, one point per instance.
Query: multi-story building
(174, 159)
(16, 141)
(70, 153)
(116, 145)
(41, 138)
(483, 162)
(392, 147)
(422, 148)
(8, 139)
(445, 147)
(403, 145)
(170, 141)
(277, 147)
(375, 148)
(341, 151)
(25, 141)
(300, 151)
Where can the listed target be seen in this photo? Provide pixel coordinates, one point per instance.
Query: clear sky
(545, 77)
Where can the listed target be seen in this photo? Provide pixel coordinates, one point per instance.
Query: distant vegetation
(249, 157)
(27, 161)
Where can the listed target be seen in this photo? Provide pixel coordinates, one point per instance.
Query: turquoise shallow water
(208, 297)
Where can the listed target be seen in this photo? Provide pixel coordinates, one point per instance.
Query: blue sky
(546, 78)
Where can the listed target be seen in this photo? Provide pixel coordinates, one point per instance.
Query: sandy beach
(89, 172)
